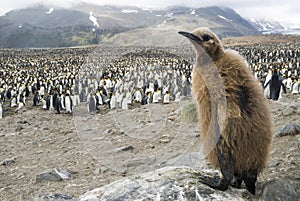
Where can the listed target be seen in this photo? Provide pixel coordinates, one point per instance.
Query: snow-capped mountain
(274, 27)
(87, 24)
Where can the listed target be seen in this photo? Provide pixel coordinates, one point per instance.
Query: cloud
(7, 5)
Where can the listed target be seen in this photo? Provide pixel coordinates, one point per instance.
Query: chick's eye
(206, 37)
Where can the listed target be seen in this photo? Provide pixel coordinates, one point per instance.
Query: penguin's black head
(203, 39)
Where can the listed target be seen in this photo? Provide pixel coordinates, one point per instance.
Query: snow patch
(224, 18)
(129, 11)
(264, 27)
(169, 15)
(93, 19)
(20, 26)
(147, 9)
(164, 22)
(252, 20)
(193, 12)
(50, 11)
(220, 16)
(270, 26)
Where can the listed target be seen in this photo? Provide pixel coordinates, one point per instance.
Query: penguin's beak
(190, 36)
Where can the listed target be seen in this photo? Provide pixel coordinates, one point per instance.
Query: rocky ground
(47, 156)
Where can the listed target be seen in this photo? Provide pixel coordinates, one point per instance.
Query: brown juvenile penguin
(242, 142)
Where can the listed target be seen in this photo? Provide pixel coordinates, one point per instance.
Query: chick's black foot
(215, 183)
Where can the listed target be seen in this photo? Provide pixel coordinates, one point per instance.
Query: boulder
(282, 189)
(166, 184)
(291, 129)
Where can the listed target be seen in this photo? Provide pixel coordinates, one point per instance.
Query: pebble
(22, 122)
(54, 197)
(97, 171)
(12, 134)
(54, 175)
(100, 170)
(149, 146)
(164, 140)
(288, 111)
(125, 148)
(172, 118)
(8, 161)
(108, 131)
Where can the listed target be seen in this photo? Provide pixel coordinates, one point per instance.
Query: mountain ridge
(87, 24)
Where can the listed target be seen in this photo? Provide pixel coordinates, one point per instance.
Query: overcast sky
(287, 11)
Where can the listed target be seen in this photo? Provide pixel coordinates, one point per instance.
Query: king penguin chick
(242, 149)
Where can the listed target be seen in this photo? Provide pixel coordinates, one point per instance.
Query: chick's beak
(190, 36)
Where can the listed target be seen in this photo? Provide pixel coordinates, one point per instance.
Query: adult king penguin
(242, 144)
(275, 86)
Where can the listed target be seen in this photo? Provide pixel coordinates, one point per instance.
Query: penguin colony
(241, 152)
(31, 76)
(65, 80)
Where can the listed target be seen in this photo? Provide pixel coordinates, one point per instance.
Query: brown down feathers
(247, 130)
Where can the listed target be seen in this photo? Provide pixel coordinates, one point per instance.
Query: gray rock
(22, 121)
(288, 111)
(103, 169)
(149, 146)
(54, 175)
(134, 162)
(274, 163)
(125, 148)
(164, 141)
(166, 184)
(97, 171)
(291, 129)
(172, 118)
(294, 105)
(54, 197)
(100, 170)
(12, 134)
(48, 176)
(282, 190)
(108, 131)
(8, 161)
(19, 128)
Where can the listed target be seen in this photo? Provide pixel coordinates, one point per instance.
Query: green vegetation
(29, 36)
(82, 38)
(189, 113)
